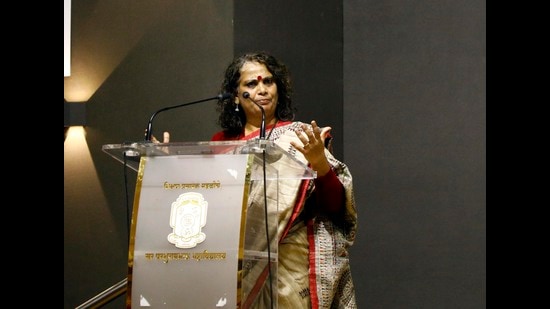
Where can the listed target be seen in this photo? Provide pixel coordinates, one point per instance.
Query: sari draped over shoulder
(313, 258)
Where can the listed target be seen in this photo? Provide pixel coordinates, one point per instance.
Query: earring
(236, 107)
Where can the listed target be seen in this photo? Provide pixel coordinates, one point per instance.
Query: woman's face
(258, 82)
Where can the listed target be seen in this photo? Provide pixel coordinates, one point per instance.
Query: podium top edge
(133, 151)
(151, 144)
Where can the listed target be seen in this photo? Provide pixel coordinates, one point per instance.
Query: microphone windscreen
(223, 96)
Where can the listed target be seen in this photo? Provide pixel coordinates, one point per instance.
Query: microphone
(246, 95)
(149, 130)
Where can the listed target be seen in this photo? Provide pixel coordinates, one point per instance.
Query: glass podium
(204, 221)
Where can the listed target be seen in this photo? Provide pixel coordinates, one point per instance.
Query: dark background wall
(414, 123)
(402, 84)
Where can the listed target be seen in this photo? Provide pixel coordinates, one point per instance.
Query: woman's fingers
(324, 133)
(165, 138)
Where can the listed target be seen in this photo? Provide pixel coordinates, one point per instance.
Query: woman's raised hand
(313, 146)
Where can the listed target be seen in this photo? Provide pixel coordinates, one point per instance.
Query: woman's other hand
(165, 138)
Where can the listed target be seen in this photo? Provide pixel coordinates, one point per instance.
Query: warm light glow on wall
(67, 39)
(76, 136)
(83, 192)
(103, 38)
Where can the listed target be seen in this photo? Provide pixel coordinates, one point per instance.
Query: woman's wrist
(322, 169)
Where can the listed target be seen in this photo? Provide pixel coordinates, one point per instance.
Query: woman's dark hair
(232, 121)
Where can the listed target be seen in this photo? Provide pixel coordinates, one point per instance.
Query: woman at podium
(317, 225)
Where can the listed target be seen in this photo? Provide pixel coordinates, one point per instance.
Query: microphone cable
(268, 239)
(262, 141)
(127, 199)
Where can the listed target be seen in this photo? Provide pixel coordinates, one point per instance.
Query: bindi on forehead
(259, 78)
